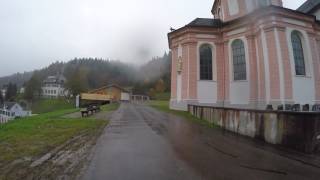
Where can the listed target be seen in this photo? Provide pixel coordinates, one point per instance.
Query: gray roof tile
(205, 22)
(308, 6)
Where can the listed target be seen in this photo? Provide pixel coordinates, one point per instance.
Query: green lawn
(164, 106)
(163, 96)
(37, 135)
(49, 105)
(110, 107)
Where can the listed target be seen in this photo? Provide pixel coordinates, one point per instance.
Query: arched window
(239, 60)
(205, 62)
(298, 53)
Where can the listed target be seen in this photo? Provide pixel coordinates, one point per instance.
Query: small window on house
(298, 54)
(239, 60)
(205, 62)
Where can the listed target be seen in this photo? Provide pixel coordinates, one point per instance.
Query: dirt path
(143, 143)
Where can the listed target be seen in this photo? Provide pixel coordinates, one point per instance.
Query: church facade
(253, 53)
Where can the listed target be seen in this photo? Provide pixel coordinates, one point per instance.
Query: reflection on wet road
(143, 143)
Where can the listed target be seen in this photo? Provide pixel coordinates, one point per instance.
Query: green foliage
(160, 86)
(110, 107)
(156, 76)
(78, 81)
(33, 87)
(152, 92)
(91, 73)
(48, 105)
(162, 96)
(1, 98)
(11, 92)
(34, 136)
(164, 106)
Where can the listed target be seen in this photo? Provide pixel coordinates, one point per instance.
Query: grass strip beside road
(110, 107)
(164, 106)
(32, 137)
(48, 105)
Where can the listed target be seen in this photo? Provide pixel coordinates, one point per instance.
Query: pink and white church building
(251, 54)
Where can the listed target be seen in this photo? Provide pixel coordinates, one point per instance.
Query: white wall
(179, 76)
(19, 112)
(249, 5)
(207, 92)
(239, 93)
(233, 7)
(179, 87)
(125, 96)
(59, 91)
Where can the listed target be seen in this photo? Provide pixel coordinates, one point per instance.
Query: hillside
(91, 73)
(19, 79)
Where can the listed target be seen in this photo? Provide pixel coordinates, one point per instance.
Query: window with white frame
(205, 62)
(298, 54)
(239, 60)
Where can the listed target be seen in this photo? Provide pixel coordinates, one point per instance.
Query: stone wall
(296, 130)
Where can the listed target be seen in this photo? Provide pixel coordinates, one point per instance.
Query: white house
(12, 110)
(22, 90)
(3, 92)
(53, 87)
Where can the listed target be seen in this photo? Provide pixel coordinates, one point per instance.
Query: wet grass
(164, 106)
(49, 105)
(34, 136)
(163, 96)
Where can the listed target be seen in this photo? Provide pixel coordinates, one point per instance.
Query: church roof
(205, 22)
(309, 6)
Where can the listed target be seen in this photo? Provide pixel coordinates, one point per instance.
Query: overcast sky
(34, 33)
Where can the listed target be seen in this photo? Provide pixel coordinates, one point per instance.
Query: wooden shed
(115, 92)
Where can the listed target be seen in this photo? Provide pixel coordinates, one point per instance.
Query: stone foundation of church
(296, 130)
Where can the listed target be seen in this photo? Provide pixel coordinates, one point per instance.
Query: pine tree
(1, 98)
(11, 92)
(33, 87)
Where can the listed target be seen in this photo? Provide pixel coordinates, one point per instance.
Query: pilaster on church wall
(288, 87)
(253, 79)
(184, 72)
(315, 47)
(226, 72)
(192, 69)
(274, 75)
(174, 72)
(220, 70)
(261, 67)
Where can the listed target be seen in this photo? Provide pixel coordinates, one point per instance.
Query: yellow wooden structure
(95, 97)
(114, 92)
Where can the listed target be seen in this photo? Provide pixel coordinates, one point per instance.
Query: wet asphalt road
(143, 143)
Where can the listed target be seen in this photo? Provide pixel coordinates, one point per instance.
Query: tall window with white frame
(205, 62)
(239, 60)
(298, 53)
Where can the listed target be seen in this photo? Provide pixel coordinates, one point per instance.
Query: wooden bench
(90, 110)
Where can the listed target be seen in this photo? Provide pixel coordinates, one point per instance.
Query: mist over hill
(94, 73)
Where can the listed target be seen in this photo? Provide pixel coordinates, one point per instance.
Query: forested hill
(19, 79)
(89, 73)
